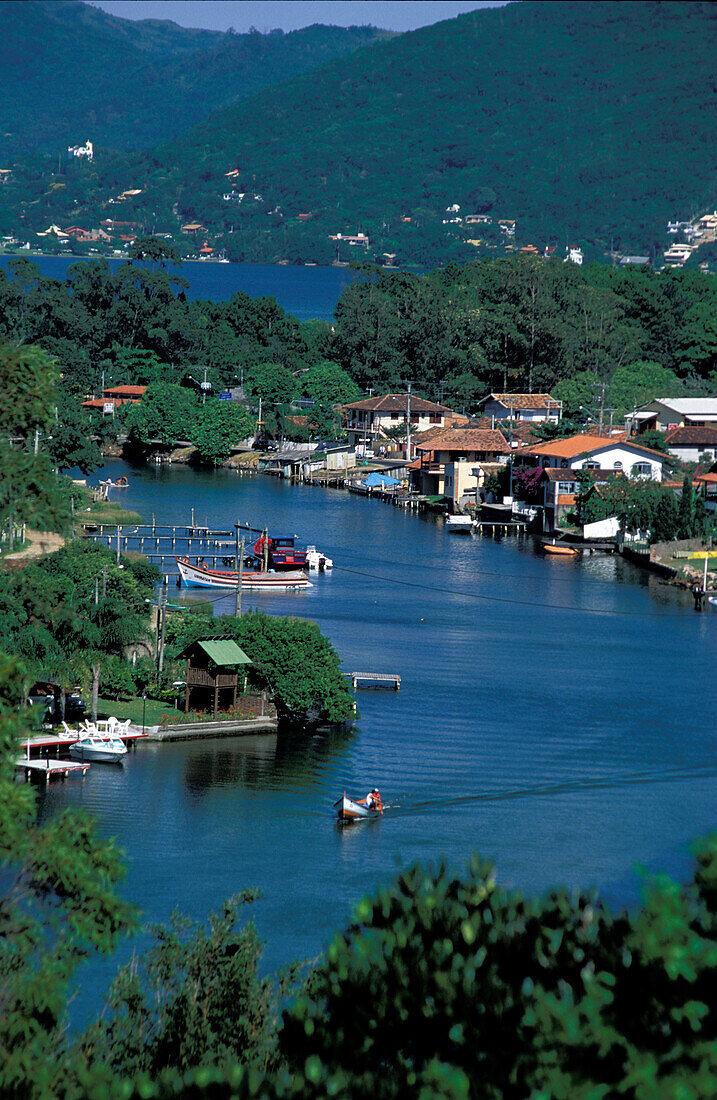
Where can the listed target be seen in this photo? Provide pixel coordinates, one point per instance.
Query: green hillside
(72, 72)
(588, 124)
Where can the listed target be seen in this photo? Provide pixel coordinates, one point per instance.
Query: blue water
(553, 715)
(305, 292)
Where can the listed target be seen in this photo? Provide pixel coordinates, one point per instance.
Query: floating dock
(45, 770)
(374, 679)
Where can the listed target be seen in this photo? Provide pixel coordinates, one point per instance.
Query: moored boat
(200, 576)
(560, 549)
(349, 809)
(281, 552)
(459, 523)
(99, 746)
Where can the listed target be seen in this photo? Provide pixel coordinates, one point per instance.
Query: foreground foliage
(58, 907)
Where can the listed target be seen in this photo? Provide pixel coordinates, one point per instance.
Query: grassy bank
(155, 710)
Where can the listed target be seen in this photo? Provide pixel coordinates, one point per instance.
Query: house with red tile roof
(522, 406)
(596, 452)
(113, 397)
(451, 460)
(368, 420)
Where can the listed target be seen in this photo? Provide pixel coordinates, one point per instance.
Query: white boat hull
(348, 810)
(111, 752)
(199, 576)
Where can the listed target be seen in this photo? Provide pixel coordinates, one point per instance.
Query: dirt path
(38, 544)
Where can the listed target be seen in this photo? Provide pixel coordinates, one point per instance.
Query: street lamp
(144, 709)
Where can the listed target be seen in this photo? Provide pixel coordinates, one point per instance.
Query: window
(563, 463)
(592, 465)
(565, 487)
(642, 469)
(617, 465)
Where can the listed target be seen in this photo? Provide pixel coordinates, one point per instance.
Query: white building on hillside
(86, 150)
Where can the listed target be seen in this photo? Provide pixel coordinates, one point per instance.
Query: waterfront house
(113, 397)
(212, 677)
(693, 444)
(666, 413)
(596, 452)
(367, 421)
(536, 407)
(449, 459)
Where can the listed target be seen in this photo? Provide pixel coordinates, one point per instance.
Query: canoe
(556, 548)
(350, 810)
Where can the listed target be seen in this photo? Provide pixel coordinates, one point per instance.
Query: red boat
(282, 553)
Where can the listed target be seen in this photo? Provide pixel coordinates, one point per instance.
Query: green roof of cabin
(222, 651)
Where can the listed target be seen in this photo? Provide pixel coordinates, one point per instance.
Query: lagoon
(554, 715)
(305, 292)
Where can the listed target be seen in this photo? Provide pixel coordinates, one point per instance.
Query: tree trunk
(96, 669)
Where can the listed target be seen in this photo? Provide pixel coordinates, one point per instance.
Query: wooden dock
(45, 770)
(374, 679)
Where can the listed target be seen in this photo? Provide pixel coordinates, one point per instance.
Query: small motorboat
(119, 483)
(350, 809)
(560, 548)
(100, 743)
(459, 523)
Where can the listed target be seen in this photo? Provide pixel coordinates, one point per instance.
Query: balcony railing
(199, 677)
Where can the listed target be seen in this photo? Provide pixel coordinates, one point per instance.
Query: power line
(506, 599)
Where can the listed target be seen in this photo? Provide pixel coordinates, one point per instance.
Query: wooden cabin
(214, 666)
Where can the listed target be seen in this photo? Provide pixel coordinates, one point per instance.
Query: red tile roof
(466, 439)
(525, 400)
(397, 402)
(125, 391)
(573, 446)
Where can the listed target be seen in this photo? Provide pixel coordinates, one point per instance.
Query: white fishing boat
(350, 809)
(199, 576)
(461, 524)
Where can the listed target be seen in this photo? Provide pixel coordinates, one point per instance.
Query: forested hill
(588, 123)
(71, 72)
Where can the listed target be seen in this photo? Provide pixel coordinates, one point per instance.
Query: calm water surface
(556, 716)
(305, 292)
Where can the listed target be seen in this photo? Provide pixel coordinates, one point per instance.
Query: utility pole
(239, 569)
(408, 423)
(266, 549)
(163, 613)
(510, 444)
(104, 581)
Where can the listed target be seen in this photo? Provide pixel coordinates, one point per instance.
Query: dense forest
(561, 116)
(589, 334)
(134, 68)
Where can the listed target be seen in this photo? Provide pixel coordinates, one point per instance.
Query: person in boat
(373, 800)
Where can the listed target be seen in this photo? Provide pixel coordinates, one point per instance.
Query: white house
(597, 452)
(535, 407)
(690, 443)
(367, 421)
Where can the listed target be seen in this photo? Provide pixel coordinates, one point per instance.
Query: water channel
(554, 715)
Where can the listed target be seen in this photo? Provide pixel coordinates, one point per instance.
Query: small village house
(450, 459)
(562, 460)
(536, 407)
(367, 421)
(666, 413)
(113, 397)
(693, 444)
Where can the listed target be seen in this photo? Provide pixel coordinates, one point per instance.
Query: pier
(374, 679)
(45, 770)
